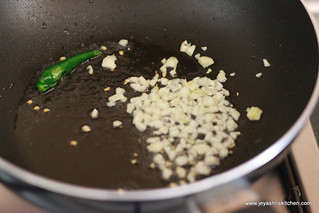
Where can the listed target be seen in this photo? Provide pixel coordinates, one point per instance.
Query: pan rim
(166, 193)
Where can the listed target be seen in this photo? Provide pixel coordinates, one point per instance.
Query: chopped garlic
(133, 161)
(181, 172)
(190, 50)
(107, 89)
(73, 143)
(187, 48)
(155, 147)
(167, 173)
(119, 90)
(103, 48)
(89, 69)
(184, 46)
(86, 128)
(117, 97)
(36, 108)
(45, 110)
(221, 77)
(202, 168)
(209, 70)
(258, 75)
(123, 42)
(62, 58)
(117, 124)
(94, 114)
(197, 56)
(204, 48)
(205, 61)
(266, 63)
(254, 113)
(29, 102)
(232, 74)
(109, 62)
(171, 63)
(192, 125)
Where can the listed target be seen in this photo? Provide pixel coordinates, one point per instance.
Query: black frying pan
(238, 35)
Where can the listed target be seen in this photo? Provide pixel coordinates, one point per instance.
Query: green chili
(52, 75)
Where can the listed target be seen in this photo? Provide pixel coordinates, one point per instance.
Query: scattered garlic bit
(205, 61)
(232, 145)
(237, 93)
(169, 64)
(167, 173)
(107, 89)
(258, 75)
(192, 124)
(254, 113)
(187, 48)
(121, 52)
(36, 108)
(135, 154)
(209, 70)
(109, 62)
(94, 114)
(266, 63)
(62, 58)
(204, 48)
(190, 50)
(103, 48)
(232, 74)
(86, 128)
(133, 161)
(117, 124)
(45, 110)
(126, 81)
(29, 102)
(118, 96)
(197, 56)
(119, 90)
(139, 84)
(89, 69)
(221, 77)
(123, 42)
(73, 143)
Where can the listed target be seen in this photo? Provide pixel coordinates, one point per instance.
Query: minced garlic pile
(192, 125)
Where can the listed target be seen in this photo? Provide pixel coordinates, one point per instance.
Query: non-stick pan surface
(239, 34)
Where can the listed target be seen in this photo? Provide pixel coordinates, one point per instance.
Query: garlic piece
(117, 124)
(205, 61)
(94, 114)
(266, 63)
(90, 69)
(254, 113)
(86, 128)
(258, 75)
(109, 62)
(221, 77)
(123, 42)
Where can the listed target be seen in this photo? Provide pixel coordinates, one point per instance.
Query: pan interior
(238, 34)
